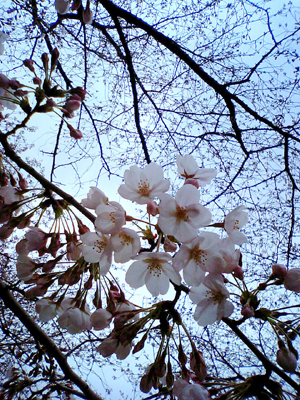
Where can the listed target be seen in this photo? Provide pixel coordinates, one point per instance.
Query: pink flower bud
(75, 133)
(54, 58)
(192, 181)
(238, 272)
(76, 4)
(152, 208)
(87, 16)
(169, 246)
(22, 182)
(279, 271)
(248, 311)
(37, 81)
(28, 63)
(4, 82)
(14, 84)
(79, 91)
(71, 105)
(286, 359)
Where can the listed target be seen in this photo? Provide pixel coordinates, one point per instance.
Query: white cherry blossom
(25, 267)
(233, 222)
(36, 238)
(97, 249)
(9, 194)
(292, 280)
(110, 217)
(111, 345)
(187, 391)
(188, 168)
(143, 185)
(154, 270)
(94, 198)
(183, 216)
(199, 256)
(211, 299)
(126, 245)
(101, 319)
(230, 254)
(47, 309)
(75, 320)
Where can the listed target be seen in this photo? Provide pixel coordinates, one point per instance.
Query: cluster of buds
(63, 6)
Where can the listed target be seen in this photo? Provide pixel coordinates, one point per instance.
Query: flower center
(99, 245)
(125, 239)
(181, 214)
(236, 224)
(143, 187)
(154, 267)
(199, 256)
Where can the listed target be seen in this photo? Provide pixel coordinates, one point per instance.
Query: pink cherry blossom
(230, 254)
(183, 216)
(143, 185)
(97, 249)
(211, 299)
(111, 345)
(154, 270)
(199, 256)
(233, 222)
(110, 217)
(126, 245)
(95, 197)
(188, 169)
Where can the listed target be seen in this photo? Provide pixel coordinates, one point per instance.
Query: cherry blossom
(25, 267)
(142, 186)
(199, 256)
(126, 245)
(47, 309)
(188, 169)
(183, 216)
(7, 100)
(292, 280)
(187, 391)
(233, 222)
(9, 194)
(211, 299)
(279, 271)
(75, 320)
(101, 319)
(110, 217)
(62, 6)
(111, 345)
(36, 239)
(230, 254)
(97, 249)
(95, 197)
(154, 270)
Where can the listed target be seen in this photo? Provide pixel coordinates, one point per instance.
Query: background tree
(218, 80)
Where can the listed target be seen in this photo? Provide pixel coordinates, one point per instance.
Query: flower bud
(169, 246)
(45, 60)
(192, 181)
(87, 14)
(54, 58)
(4, 82)
(28, 63)
(152, 208)
(76, 4)
(286, 359)
(75, 133)
(37, 81)
(79, 91)
(247, 311)
(22, 182)
(14, 84)
(198, 365)
(279, 271)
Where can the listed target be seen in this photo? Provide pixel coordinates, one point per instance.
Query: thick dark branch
(266, 362)
(41, 337)
(9, 152)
